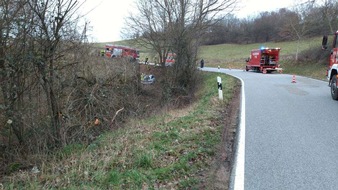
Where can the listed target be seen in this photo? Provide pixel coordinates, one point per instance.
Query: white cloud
(254, 7)
(107, 16)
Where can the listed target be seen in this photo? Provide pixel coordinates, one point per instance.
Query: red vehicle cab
(263, 60)
(332, 71)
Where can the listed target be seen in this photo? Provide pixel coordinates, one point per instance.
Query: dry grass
(172, 150)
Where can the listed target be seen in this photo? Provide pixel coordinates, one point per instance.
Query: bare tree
(329, 11)
(36, 37)
(226, 31)
(297, 24)
(159, 22)
(13, 29)
(53, 35)
(176, 26)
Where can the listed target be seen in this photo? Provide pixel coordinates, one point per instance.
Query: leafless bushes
(102, 95)
(53, 90)
(95, 95)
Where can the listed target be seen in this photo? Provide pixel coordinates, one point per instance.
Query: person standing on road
(202, 63)
(146, 61)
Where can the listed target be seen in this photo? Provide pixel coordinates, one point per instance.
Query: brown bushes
(96, 95)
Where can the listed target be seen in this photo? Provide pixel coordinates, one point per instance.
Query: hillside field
(234, 55)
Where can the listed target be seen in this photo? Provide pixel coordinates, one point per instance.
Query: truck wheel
(334, 90)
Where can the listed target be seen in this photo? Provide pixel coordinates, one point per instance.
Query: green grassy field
(234, 55)
(239, 52)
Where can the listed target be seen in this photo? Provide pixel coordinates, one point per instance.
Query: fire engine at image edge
(265, 60)
(331, 72)
(119, 51)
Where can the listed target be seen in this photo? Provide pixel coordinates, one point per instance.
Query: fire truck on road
(332, 73)
(264, 60)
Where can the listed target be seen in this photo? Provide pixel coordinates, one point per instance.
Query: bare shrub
(95, 95)
(314, 54)
(100, 90)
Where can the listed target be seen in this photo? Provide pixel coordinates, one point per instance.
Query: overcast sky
(106, 16)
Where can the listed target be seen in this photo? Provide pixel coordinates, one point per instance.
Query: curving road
(290, 133)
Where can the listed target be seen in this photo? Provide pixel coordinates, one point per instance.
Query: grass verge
(312, 70)
(174, 150)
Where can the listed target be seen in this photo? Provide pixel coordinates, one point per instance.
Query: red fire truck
(331, 72)
(118, 51)
(264, 60)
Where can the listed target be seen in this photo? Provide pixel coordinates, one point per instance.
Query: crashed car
(148, 79)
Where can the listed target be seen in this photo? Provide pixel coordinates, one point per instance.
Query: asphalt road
(291, 133)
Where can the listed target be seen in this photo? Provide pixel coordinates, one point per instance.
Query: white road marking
(237, 174)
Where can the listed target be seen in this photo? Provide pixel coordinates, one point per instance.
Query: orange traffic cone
(293, 79)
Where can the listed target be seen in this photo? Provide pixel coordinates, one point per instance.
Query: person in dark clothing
(146, 61)
(202, 63)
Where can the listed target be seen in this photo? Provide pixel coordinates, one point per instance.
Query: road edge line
(237, 171)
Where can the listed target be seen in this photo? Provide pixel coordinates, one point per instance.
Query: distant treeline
(302, 21)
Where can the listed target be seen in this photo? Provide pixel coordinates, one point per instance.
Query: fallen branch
(112, 121)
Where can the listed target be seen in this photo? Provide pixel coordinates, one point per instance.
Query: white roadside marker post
(219, 86)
